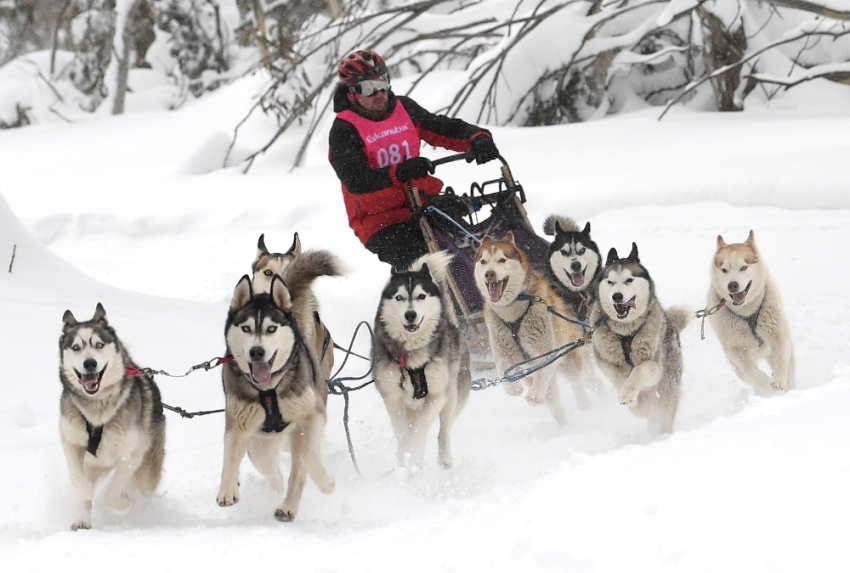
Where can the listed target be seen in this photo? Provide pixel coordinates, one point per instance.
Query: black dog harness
(274, 422)
(514, 328)
(417, 377)
(752, 321)
(95, 434)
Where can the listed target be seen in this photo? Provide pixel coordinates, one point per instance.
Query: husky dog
(637, 342)
(422, 366)
(573, 265)
(265, 266)
(520, 328)
(110, 415)
(750, 323)
(275, 393)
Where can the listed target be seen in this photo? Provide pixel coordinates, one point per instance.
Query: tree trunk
(123, 48)
(723, 48)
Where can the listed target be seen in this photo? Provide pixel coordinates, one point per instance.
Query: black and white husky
(274, 387)
(637, 343)
(110, 415)
(422, 368)
(574, 264)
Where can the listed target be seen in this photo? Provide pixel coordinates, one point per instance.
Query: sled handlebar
(460, 156)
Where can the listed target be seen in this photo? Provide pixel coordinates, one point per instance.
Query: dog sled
(457, 224)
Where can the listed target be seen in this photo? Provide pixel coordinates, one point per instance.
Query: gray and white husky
(637, 342)
(110, 416)
(266, 265)
(422, 368)
(573, 265)
(275, 391)
(751, 324)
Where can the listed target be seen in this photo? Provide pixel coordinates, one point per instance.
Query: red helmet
(361, 65)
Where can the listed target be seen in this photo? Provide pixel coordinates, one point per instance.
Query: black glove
(484, 149)
(452, 205)
(414, 168)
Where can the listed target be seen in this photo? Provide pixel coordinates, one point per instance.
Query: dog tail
(310, 265)
(565, 223)
(438, 265)
(679, 317)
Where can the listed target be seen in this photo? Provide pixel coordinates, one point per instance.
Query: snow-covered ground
(136, 212)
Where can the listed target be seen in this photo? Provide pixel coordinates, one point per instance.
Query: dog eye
(246, 329)
(628, 281)
(565, 253)
(724, 271)
(268, 273)
(399, 298)
(503, 260)
(99, 345)
(271, 329)
(610, 283)
(75, 347)
(743, 268)
(581, 251)
(421, 297)
(483, 262)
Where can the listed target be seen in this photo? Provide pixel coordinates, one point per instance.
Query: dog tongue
(738, 297)
(262, 372)
(89, 380)
(577, 278)
(497, 289)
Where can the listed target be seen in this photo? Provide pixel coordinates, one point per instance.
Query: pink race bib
(388, 142)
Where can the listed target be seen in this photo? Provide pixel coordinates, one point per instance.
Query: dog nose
(490, 276)
(576, 266)
(410, 315)
(733, 286)
(617, 297)
(90, 364)
(257, 353)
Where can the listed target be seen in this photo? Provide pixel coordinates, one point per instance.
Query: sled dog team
(281, 355)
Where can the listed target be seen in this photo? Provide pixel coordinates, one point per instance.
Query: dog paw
(779, 384)
(118, 502)
(284, 515)
(80, 525)
(536, 396)
(513, 388)
(628, 397)
(327, 485)
(227, 497)
(445, 461)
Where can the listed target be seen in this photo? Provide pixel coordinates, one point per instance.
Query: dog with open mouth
(636, 341)
(111, 418)
(274, 387)
(422, 365)
(517, 300)
(750, 321)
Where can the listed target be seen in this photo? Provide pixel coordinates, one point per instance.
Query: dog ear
(425, 270)
(510, 237)
(295, 249)
(633, 255)
(280, 294)
(720, 242)
(586, 230)
(68, 321)
(99, 314)
(261, 246)
(751, 239)
(242, 293)
(612, 257)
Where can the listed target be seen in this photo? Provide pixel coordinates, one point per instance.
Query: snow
(137, 212)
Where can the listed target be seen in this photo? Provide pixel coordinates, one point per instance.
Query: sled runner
(454, 223)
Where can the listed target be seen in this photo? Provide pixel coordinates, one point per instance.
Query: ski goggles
(368, 88)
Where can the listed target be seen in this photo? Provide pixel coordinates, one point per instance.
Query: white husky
(750, 323)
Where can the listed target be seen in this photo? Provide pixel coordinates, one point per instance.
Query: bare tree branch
(811, 7)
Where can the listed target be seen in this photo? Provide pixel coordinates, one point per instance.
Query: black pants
(398, 245)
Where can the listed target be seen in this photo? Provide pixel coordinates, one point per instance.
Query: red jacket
(374, 197)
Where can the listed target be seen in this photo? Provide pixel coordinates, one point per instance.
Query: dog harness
(95, 434)
(274, 422)
(752, 321)
(514, 328)
(626, 345)
(417, 377)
